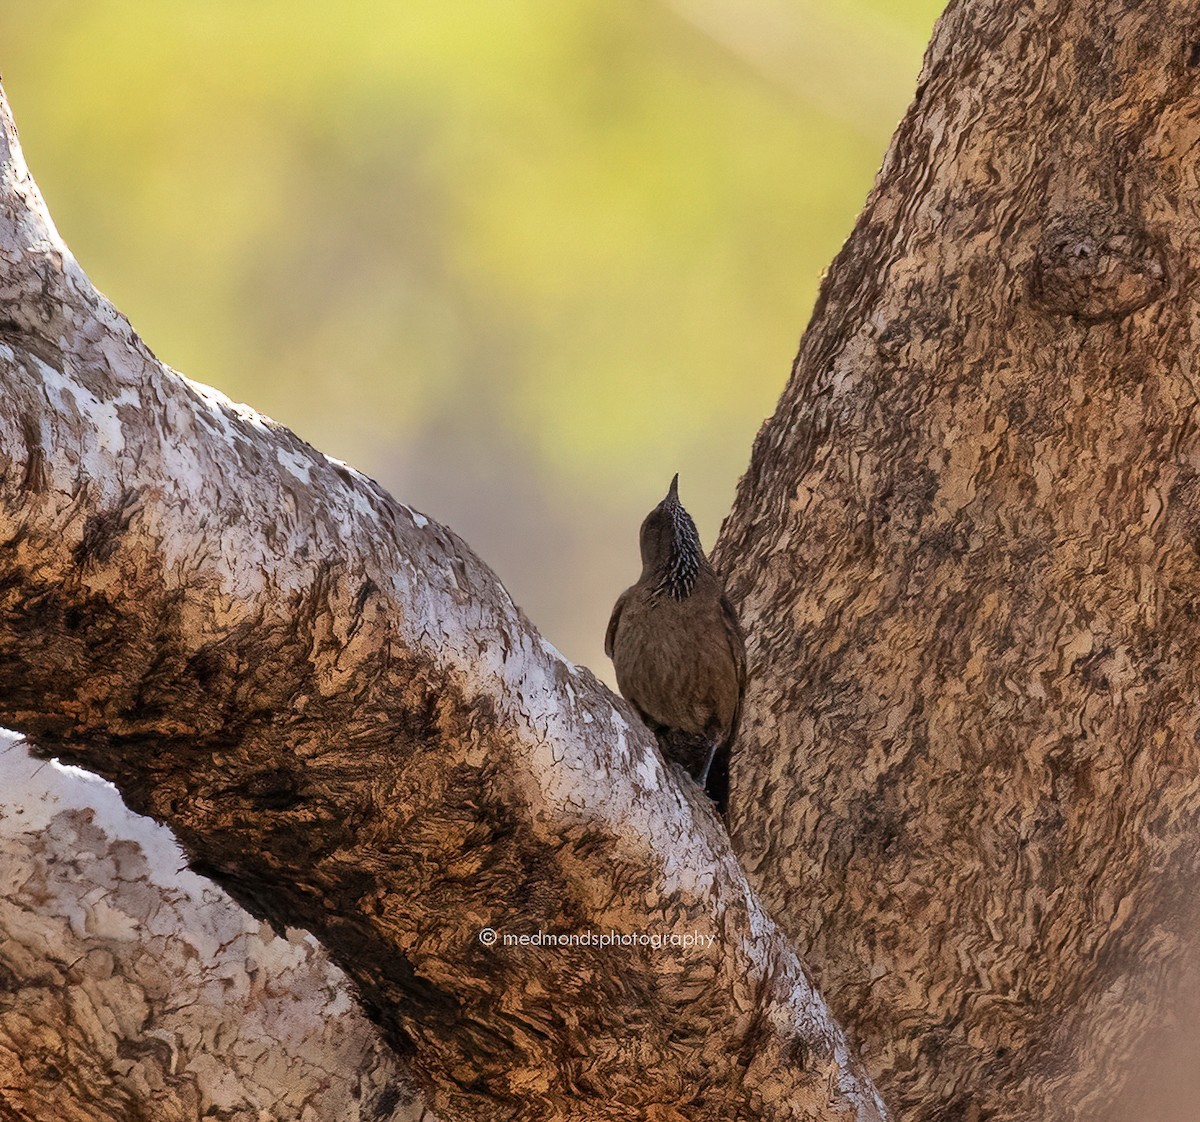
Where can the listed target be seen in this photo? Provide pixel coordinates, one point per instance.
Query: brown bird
(678, 651)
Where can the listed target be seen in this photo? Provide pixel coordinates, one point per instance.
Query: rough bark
(349, 726)
(966, 556)
(130, 988)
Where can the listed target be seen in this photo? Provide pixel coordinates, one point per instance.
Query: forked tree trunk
(966, 555)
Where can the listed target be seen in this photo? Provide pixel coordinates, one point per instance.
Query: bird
(678, 649)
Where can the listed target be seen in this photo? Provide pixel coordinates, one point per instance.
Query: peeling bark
(350, 727)
(132, 989)
(966, 556)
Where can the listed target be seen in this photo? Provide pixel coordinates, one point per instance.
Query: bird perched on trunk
(678, 650)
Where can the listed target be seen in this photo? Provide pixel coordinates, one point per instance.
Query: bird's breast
(673, 662)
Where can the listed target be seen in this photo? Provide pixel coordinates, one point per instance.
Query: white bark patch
(294, 465)
(419, 520)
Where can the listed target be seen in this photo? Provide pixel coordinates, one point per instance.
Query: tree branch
(349, 725)
(134, 989)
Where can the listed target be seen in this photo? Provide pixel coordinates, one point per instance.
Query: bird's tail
(706, 760)
(716, 779)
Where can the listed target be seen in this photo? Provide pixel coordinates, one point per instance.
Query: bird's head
(671, 546)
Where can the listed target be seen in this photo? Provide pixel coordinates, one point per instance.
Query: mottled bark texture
(348, 725)
(130, 988)
(966, 557)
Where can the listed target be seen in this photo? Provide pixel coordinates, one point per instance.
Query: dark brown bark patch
(103, 530)
(1096, 267)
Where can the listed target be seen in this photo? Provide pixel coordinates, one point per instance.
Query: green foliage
(520, 259)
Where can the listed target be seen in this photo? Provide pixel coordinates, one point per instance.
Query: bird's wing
(610, 636)
(717, 786)
(737, 648)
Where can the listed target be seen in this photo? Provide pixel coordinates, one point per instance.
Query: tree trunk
(966, 557)
(350, 726)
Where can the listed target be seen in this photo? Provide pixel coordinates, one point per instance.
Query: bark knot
(1097, 266)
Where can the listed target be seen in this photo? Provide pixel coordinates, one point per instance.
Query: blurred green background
(519, 260)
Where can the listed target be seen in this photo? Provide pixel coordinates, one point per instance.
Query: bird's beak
(673, 493)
